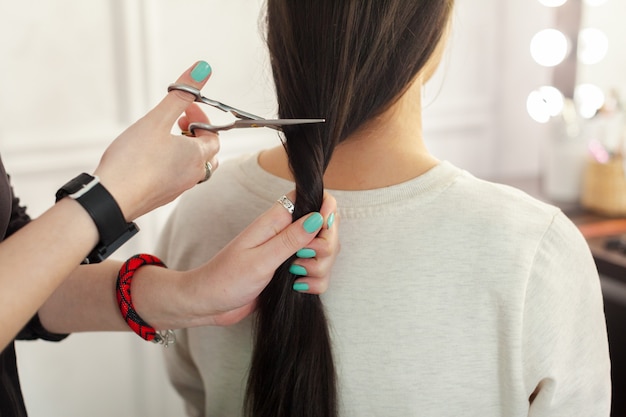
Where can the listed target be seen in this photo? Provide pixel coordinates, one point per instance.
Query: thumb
(175, 102)
(289, 240)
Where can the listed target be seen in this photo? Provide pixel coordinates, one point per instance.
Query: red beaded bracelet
(125, 302)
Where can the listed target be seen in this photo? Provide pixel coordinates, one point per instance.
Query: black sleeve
(34, 330)
(19, 217)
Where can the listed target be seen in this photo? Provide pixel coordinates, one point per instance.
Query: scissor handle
(187, 89)
(213, 103)
(204, 126)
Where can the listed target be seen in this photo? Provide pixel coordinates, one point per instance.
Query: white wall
(611, 72)
(74, 73)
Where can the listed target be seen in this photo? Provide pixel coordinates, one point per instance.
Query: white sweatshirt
(451, 296)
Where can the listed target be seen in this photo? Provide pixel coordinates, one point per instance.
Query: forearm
(35, 261)
(86, 301)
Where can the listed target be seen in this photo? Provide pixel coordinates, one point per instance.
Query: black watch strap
(99, 203)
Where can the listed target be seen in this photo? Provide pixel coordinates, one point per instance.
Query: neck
(387, 150)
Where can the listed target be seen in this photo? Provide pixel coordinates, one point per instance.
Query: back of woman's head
(346, 61)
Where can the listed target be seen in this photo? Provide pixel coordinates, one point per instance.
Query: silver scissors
(244, 119)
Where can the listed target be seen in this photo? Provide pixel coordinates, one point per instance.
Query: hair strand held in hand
(346, 61)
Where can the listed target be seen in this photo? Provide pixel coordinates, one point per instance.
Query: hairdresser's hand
(229, 284)
(147, 166)
(194, 114)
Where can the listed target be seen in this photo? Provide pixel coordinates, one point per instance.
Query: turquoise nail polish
(331, 220)
(201, 71)
(297, 270)
(300, 286)
(306, 253)
(313, 223)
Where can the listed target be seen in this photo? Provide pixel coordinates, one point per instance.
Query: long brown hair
(346, 61)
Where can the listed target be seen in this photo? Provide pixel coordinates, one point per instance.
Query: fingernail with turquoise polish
(313, 223)
(306, 253)
(201, 71)
(300, 286)
(297, 270)
(331, 220)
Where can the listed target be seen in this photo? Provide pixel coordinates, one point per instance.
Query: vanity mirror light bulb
(593, 46)
(553, 3)
(545, 102)
(549, 47)
(589, 99)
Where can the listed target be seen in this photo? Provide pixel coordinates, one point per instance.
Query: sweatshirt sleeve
(181, 368)
(185, 376)
(564, 341)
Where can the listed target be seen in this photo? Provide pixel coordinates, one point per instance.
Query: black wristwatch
(106, 214)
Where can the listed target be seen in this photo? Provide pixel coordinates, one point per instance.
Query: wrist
(120, 191)
(126, 299)
(170, 299)
(156, 297)
(97, 201)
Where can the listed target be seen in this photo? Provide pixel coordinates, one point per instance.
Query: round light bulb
(552, 3)
(593, 46)
(545, 102)
(549, 47)
(589, 99)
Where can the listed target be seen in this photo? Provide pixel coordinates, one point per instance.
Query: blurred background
(529, 93)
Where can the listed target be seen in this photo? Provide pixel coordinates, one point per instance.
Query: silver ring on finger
(286, 203)
(208, 171)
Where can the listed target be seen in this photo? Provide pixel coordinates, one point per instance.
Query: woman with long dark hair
(451, 296)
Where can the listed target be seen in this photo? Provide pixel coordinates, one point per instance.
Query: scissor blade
(246, 123)
(274, 122)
